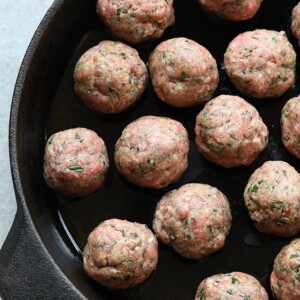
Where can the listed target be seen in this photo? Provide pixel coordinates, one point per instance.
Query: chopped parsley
(183, 75)
(118, 12)
(279, 267)
(276, 204)
(123, 54)
(76, 168)
(234, 280)
(253, 187)
(133, 235)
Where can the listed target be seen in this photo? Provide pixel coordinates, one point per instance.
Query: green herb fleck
(123, 55)
(247, 298)
(183, 75)
(276, 204)
(118, 12)
(286, 113)
(279, 267)
(164, 54)
(253, 187)
(111, 90)
(286, 66)
(278, 285)
(76, 168)
(294, 255)
(189, 236)
(209, 229)
(207, 116)
(142, 168)
(112, 243)
(234, 280)
(233, 136)
(129, 261)
(77, 136)
(133, 235)
(50, 139)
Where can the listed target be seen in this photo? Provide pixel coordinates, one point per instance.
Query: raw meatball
(272, 197)
(290, 126)
(120, 254)
(230, 132)
(136, 20)
(183, 72)
(194, 220)
(110, 77)
(285, 278)
(75, 162)
(152, 151)
(231, 286)
(261, 63)
(295, 26)
(234, 10)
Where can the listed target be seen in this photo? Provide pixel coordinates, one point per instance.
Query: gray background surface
(18, 22)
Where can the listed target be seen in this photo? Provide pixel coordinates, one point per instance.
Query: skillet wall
(36, 260)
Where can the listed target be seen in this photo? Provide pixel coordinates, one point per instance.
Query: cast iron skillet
(41, 258)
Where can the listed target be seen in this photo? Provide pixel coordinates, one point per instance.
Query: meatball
(295, 26)
(136, 20)
(110, 77)
(290, 126)
(285, 278)
(261, 63)
(152, 152)
(75, 162)
(194, 220)
(231, 286)
(183, 73)
(231, 9)
(120, 254)
(272, 197)
(230, 132)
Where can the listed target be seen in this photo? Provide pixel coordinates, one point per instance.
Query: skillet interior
(44, 103)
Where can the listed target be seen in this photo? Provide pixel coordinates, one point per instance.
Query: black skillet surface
(41, 258)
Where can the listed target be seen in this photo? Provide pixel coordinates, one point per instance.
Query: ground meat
(136, 20)
(285, 278)
(234, 10)
(120, 254)
(110, 77)
(290, 126)
(295, 26)
(261, 63)
(272, 197)
(75, 162)
(231, 286)
(230, 132)
(183, 72)
(152, 151)
(194, 220)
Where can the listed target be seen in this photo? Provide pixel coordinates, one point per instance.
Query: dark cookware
(41, 258)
